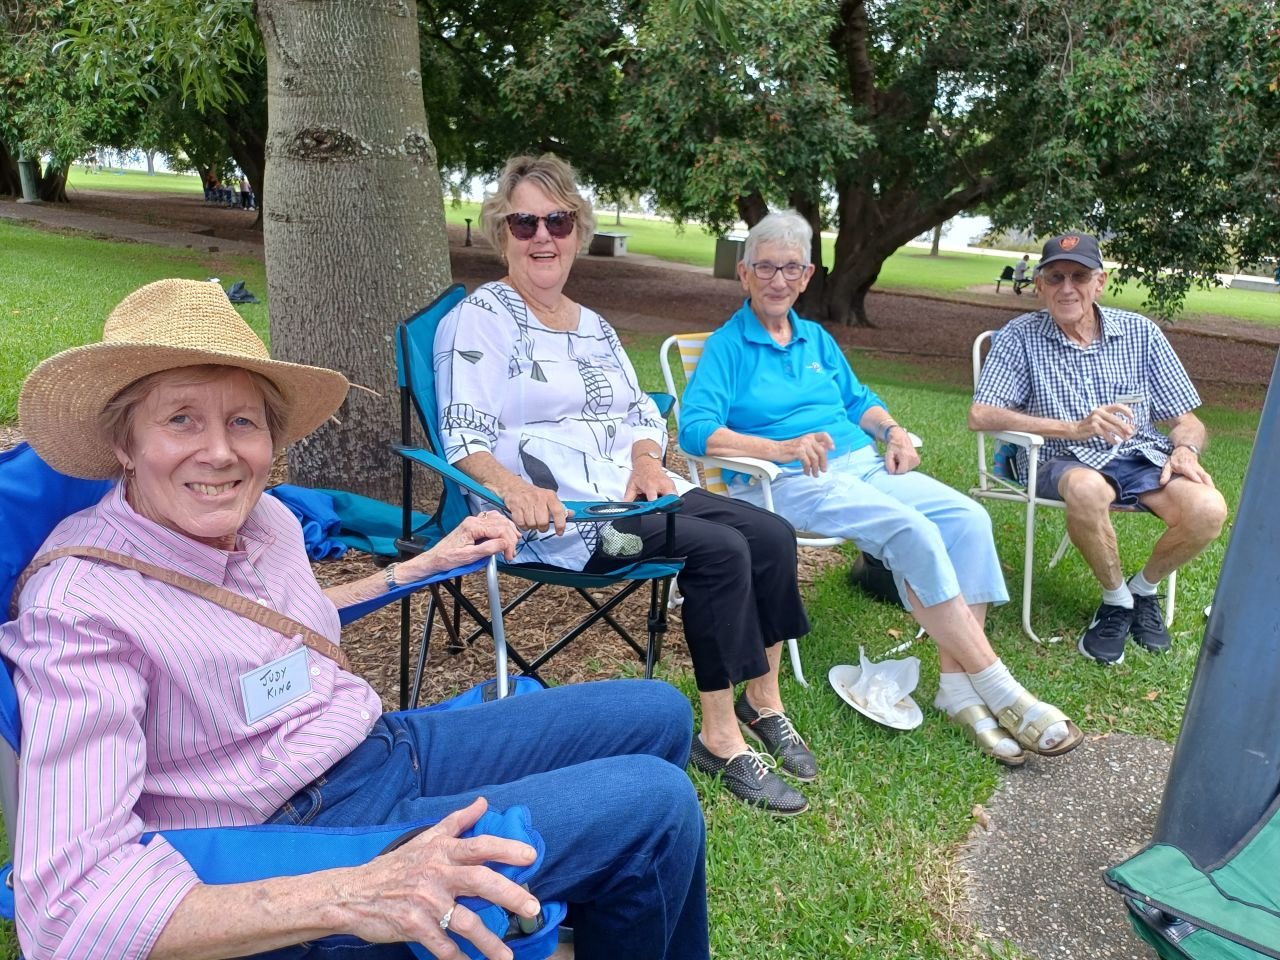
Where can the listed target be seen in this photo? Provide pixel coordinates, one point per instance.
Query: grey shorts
(1130, 476)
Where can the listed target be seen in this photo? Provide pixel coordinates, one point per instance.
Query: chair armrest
(1017, 437)
(439, 465)
(585, 511)
(753, 467)
(354, 611)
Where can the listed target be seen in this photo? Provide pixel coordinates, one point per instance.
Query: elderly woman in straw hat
(134, 685)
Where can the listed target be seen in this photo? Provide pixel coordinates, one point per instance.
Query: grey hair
(553, 177)
(784, 227)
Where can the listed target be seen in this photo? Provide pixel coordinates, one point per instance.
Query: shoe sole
(748, 732)
(1105, 663)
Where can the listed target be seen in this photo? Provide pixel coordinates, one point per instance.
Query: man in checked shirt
(1094, 382)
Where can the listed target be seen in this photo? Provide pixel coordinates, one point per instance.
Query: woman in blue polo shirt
(774, 386)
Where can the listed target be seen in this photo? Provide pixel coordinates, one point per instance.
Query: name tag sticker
(274, 686)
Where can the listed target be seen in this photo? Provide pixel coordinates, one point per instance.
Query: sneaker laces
(789, 732)
(1148, 612)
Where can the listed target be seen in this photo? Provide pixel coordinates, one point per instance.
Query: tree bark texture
(354, 222)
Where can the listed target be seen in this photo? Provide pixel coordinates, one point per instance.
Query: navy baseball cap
(1077, 247)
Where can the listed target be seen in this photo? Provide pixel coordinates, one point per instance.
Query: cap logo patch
(1068, 243)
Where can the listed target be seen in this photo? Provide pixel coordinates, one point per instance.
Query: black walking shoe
(779, 737)
(747, 776)
(1148, 630)
(1104, 639)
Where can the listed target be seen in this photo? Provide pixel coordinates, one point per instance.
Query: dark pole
(468, 243)
(1226, 765)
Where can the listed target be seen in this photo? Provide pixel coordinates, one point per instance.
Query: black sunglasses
(559, 223)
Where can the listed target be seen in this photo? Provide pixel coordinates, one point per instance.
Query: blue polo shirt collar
(753, 330)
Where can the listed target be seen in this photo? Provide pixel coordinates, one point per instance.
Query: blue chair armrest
(447, 470)
(354, 611)
(222, 855)
(585, 511)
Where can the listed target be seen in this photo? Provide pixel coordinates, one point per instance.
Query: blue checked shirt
(1034, 368)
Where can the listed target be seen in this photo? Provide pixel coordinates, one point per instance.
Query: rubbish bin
(728, 253)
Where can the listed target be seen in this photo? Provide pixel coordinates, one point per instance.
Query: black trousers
(739, 583)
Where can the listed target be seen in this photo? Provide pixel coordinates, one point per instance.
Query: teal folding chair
(34, 498)
(415, 351)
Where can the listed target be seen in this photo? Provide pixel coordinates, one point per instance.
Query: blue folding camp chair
(33, 499)
(415, 367)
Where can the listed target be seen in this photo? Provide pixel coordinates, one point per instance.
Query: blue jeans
(601, 768)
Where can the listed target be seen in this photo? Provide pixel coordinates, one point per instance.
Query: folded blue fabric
(370, 525)
(320, 521)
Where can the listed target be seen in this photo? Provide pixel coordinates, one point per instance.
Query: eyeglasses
(559, 223)
(764, 270)
(1078, 278)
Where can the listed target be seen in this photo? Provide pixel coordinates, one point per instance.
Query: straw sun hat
(164, 325)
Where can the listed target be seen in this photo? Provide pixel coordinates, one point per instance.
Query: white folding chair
(996, 482)
(705, 470)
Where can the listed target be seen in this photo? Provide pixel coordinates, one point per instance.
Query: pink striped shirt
(133, 719)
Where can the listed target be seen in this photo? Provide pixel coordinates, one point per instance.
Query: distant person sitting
(1094, 381)
(1020, 278)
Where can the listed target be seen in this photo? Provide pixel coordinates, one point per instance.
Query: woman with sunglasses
(539, 402)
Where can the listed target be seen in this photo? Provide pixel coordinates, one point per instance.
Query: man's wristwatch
(389, 576)
(1190, 446)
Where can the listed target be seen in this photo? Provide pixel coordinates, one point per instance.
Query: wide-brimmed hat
(162, 326)
(1077, 247)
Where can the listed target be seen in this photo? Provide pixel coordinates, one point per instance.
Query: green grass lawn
(132, 180)
(867, 873)
(56, 291)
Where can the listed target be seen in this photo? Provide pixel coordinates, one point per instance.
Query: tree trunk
(354, 222)
(937, 240)
(151, 163)
(10, 180)
(53, 184)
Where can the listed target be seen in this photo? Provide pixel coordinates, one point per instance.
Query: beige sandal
(986, 740)
(1028, 737)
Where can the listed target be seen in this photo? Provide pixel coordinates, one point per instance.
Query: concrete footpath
(67, 217)
(1033, 874)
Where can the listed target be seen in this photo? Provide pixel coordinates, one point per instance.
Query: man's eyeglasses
(764, 270)
(524, 226)
(1078, 278)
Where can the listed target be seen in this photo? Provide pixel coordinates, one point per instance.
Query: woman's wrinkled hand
(534, 508)
(649, 480)
(401, 896)
(810, 449)
(900, 454)
(474, 538)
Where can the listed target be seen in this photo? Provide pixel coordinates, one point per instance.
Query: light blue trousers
(930, 536)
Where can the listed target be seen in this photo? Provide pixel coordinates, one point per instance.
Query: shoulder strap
(250, 609)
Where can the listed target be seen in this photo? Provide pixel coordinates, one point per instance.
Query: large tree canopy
(1153, 123)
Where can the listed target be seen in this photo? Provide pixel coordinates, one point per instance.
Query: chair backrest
(688, 347)
(416, 376)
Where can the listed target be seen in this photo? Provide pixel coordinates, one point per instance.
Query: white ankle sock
(999, 689)
(1140, 585)
(1119, 597)
(956, 693)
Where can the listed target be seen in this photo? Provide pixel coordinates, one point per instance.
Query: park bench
(1006, 276)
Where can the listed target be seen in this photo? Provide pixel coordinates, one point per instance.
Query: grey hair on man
(783, 227)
